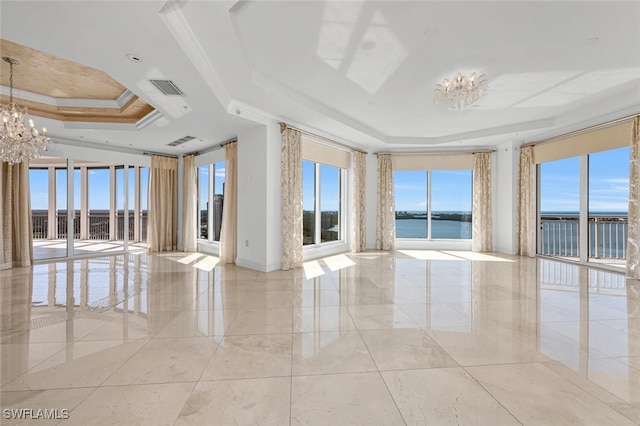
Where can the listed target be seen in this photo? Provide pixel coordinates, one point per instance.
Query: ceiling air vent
(167, 87)
(181, 141)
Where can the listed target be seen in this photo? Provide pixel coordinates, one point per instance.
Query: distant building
(218, 201)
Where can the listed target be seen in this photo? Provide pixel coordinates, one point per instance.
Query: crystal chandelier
(461, 92)
(17, 143)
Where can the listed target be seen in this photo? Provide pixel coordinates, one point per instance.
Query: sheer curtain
(229, 231)
(16, 242)
(163, 202)
(190, 201)
(358, 243)
(633, 245)
(481, 221)
(386, 219)
(291, 182)
(526, 227)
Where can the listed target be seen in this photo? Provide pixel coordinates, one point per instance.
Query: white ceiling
(359, 72)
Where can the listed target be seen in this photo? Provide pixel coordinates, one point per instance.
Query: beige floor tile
(536, 395)
(198, 324)
(82, 364)
(167, 361)
(544, 345)
(238, 402)
(342, 399)
(443, 396)
(330, 352)
(405, 349)
(59, 402)
(19, 358)
(262, 321)
(380, 317)
(156, 404)
(317, 319)
(251, 356)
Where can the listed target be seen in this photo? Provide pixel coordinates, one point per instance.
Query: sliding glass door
(583, 207)
(559, 202)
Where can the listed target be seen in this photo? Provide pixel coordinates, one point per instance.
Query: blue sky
(203, 185)
(451, 190)
(608, 183)
(329, 187)
(99, 188)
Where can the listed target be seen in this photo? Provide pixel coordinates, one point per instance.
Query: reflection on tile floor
(414, 337)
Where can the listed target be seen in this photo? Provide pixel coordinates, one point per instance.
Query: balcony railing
(99, 222)
(560, 235)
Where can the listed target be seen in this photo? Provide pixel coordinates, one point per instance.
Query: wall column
(505, 189)
(259, 226)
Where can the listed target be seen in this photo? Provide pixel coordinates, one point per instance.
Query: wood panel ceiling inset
(52, 83)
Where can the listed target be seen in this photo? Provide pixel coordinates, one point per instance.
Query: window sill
(312, 252)
(432, 244)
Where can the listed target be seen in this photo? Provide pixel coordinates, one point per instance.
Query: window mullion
(210, 227)
(318, 219)
(429, 204)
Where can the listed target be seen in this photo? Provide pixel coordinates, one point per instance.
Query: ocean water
(443, 229)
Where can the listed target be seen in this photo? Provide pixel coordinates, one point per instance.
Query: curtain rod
(438, 152)
(229, 141)
(585, 130)
(284, 126)
(159, 154)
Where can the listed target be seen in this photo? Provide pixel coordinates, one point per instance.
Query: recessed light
(134, 58)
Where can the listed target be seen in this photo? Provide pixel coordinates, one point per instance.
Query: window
(433, 204)
(560, 207)
(322, 192)
(410, 189)
(609, 203)
(210, 200)
(99, 203)
(604, 178)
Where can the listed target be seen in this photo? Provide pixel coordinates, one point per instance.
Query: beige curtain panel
(481, 220)
(229, 231)
(163, 202)
(633, 244)
(16, 241)
(359, 243)
(526, 223)
(189, 205)
(291, 193)
(386, 218)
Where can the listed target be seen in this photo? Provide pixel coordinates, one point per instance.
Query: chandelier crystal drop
(17, 142)
(460, 92)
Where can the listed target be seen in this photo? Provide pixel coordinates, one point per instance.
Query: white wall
(61, 150)
(371, 201)
(505, 189)
(259, 227)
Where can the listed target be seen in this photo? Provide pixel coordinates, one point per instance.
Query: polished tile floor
(413, 337)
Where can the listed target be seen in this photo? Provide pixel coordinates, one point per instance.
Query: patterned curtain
(386, 219)
(358, 242)
(526, 227)
(189, 203)
(633, 245)
(163, 203)
(16, 239)
(291, 190)
(481, 224)
(229, 231)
